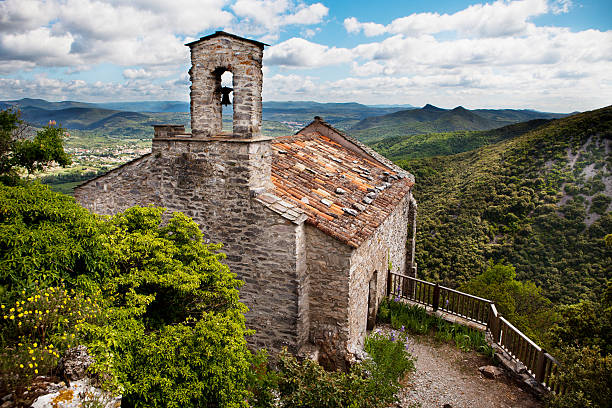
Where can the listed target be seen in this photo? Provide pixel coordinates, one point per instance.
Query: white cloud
(289, 87)
(499, 19)
(55, 89)
(18, 16)
(133, 32)
(561, 6)
(297, 52)
(266, 18)
(143, 73)
(307, 15)
(353, 26)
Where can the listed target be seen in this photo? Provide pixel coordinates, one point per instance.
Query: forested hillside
(441, 144)
(539, 201)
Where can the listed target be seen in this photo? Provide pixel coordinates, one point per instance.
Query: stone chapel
(311, 222)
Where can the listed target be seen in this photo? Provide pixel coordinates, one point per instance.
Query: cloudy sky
(551, 55)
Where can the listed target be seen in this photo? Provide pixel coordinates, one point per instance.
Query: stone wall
(371, 261)
(328, 269)
(210, 181)
(210, 58)
(411, 266)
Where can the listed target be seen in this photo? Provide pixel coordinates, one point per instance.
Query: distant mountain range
(89, 116)
(368, 123)
(431, 119)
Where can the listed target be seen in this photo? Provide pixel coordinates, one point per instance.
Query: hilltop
(539, 200)
(431, 119)
(440, 144)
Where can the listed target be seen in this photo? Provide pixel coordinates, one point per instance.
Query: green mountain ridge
(431, 119)
(539, 200)
(435, 144)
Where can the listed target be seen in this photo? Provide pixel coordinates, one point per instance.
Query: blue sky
(551, 55)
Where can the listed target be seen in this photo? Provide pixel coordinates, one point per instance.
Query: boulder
(491, 372)
(79, 388)
(74, 364)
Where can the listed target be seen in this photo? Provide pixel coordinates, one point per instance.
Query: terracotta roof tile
(328, 183)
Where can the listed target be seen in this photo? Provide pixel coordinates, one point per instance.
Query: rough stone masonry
(310, 222)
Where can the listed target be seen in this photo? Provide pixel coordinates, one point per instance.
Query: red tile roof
(344, 193)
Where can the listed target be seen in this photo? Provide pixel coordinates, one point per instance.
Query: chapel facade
(311, 222)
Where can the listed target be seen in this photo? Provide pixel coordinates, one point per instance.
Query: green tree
(173, 330)
(583, 344)
(522, 303)
(585, 324)
(19, 152)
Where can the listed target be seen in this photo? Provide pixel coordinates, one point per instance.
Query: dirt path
(446, 375)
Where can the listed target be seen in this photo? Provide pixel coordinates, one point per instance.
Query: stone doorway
(372, 302)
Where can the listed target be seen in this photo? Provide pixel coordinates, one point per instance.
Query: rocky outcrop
(78, 388)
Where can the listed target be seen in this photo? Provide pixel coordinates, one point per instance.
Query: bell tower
(211, 56)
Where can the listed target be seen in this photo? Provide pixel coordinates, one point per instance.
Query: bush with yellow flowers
(163, 323)
(38, 327)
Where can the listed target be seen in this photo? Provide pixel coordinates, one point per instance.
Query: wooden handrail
(466, 294)
(539, 363)
(520, 333)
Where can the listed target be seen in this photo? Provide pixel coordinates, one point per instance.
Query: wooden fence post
(436, 297)
(494, 323)
(541, 367)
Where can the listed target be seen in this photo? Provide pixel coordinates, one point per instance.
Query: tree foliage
(583, 343)
(19, 152)
(173, 330)
(522, 303)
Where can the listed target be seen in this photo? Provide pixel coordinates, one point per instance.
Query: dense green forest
(539, 201)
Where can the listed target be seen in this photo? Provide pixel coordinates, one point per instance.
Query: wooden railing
(439, 297)
(539, 364)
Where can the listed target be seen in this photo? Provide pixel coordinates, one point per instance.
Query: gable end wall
(209, 183)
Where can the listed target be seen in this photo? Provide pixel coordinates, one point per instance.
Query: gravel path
(446, 375)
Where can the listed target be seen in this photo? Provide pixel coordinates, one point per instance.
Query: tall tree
(18, 152)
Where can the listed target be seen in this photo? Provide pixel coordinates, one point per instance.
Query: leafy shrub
(583, 344)
(585, 378)
(392, 360)
(370, 384)
(522, 303)
(192, 364)
(262, 381)
(600, 204)
(39, 328)
(47, 237)
(173, 330)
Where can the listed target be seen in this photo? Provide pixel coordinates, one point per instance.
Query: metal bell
(225, 91)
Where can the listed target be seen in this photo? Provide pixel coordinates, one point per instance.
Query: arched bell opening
(227, 99)
(222, 100)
